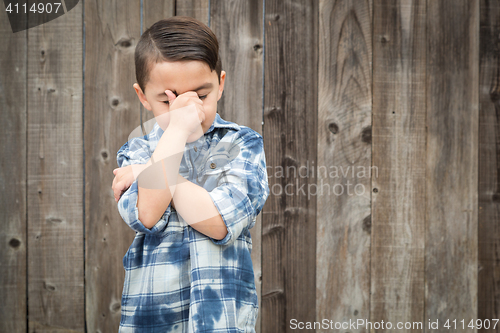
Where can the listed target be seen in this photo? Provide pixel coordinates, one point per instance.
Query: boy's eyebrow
(203, 86)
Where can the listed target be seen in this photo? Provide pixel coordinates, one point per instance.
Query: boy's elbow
(149, 212)
(147, 220)
(148, 224)
(221, 230)
(220, 234)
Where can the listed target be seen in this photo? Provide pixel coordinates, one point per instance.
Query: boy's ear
(142, 97)
(221, 84)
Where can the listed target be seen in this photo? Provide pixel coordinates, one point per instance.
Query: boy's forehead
(207, 85)
(182, 76)
(181, 70)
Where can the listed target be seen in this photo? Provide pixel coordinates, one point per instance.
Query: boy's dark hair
(176, 38)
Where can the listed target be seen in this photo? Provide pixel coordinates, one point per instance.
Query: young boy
(191, 189)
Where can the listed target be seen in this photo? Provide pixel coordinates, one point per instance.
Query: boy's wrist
(138, 168)
(178, 132)
(172, 140)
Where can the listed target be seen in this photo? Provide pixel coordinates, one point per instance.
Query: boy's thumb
(171, 96)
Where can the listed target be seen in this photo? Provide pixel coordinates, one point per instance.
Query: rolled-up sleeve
(242, 188)
(136, 153)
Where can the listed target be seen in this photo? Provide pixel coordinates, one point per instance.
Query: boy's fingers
(201, 113)
(116, 188)
(171, 96)
(190, 93)
(116, 194)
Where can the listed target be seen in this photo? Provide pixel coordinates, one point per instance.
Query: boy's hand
(186, 113)
(124, 177)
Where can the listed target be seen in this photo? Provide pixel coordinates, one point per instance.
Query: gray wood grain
(111, 113)
(156, 10)
(194, 8)
(13, 178)
(452, 76)
(489, 164)
(399, 156)
(55, 175)
(290, 125)
(238, 27)
(344, 145)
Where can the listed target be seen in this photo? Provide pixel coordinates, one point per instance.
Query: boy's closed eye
(200, 97)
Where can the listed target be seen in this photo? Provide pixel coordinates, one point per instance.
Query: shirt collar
(221, 123)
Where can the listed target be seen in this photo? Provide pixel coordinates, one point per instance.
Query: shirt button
(195, 149)
(212, 165)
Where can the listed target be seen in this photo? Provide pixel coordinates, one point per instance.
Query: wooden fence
(392, 106)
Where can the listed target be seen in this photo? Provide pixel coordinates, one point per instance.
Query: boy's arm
(132, 156)
(158, 180)
(193, 201)
(232, 206)
(196, 207)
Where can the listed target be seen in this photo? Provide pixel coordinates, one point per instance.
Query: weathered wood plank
(452, 76)
(344, 144)
(290, 127)
(398, 157)
(489, 166)
(55, 176)
(13, 178)
(156, 10)
(111, 113)
(194, 8)
(238, 27)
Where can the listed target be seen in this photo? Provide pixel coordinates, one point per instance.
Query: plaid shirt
(176, 278)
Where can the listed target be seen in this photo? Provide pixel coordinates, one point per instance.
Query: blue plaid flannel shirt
(176, 278)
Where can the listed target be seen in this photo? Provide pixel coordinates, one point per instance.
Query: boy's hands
(186, 113)
(124, 177)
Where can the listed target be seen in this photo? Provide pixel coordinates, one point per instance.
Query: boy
(191, 189)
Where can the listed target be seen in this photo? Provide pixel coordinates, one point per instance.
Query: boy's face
(180, 77)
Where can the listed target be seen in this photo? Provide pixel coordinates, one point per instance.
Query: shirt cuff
(127, 206)
(236, 211)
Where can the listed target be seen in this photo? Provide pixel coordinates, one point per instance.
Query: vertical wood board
(290, 124)
(452, 75)
(111, 113)
(489, 165)
(55, 175)
(344, 150)
(399, 153)
(13, 178)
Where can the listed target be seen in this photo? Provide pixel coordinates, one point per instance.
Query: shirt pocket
(217, 161)
(212, 169)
